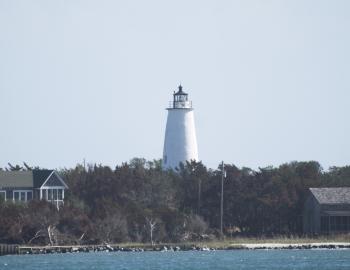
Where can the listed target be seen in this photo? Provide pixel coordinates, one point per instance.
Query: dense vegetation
(139, 202)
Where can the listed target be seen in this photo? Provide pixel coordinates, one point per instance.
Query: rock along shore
(170, 248)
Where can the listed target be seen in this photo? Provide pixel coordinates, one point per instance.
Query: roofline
(47, 178)
(59, 178)
(327, 187)
(327, 203)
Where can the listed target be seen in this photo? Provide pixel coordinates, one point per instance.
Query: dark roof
(24, 179)
(180, 92)
(40, 176)
(339, 195)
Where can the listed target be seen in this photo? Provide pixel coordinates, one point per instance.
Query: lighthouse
(180, 144)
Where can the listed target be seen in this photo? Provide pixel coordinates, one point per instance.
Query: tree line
(137, 201)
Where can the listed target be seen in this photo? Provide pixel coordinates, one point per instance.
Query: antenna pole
(222, 197)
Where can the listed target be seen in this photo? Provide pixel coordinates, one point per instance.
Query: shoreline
(178, 247)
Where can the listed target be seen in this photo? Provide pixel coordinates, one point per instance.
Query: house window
(325, 224)
(50, 197)
(53, 194)
(2, 195)
(22, 195)
(44, 192)
(60, 194)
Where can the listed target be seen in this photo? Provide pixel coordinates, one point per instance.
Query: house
(327, 211)
(22, 186)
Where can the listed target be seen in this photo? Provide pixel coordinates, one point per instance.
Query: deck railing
(180, 104)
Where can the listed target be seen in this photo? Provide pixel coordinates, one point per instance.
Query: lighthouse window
(181, 98)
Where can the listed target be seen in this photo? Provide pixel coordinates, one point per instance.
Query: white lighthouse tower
(180, 144)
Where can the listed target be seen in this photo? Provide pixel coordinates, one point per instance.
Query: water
(217, 260)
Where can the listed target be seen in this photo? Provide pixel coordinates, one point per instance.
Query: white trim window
(3, 194)
(52, 194)
(22, 195)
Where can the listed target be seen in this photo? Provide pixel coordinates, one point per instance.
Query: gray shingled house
(22, 186)
(327, 211)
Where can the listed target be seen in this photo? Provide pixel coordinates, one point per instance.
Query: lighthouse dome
(180, 91)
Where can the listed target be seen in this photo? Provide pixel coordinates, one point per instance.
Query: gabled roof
(54, 180)
(339, 195)
(40, 176)
(29, 179)
(17, 179)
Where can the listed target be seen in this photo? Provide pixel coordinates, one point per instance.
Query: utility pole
(199, 194)
(222, 196)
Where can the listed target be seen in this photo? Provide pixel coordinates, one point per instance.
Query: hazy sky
(269, 80)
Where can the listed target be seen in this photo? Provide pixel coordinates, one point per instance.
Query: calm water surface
(255, 259)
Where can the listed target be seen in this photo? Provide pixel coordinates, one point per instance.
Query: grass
(237, 241)
(234, 242)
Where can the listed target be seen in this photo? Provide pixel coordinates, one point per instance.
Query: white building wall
(180, 142)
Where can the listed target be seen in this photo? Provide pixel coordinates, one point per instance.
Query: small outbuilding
(327, 211)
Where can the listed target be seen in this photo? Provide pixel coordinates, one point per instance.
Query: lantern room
(180, 100)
